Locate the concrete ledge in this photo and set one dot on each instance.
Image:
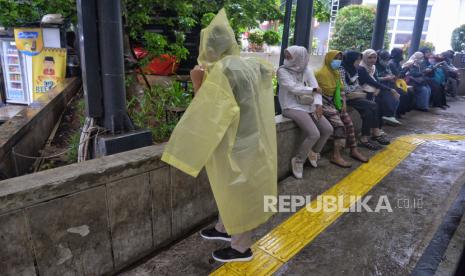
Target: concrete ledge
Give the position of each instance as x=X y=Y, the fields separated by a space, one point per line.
x=28 y=130
x=98 y=216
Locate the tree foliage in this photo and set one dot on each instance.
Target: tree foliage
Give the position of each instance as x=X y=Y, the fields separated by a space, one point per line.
x=177 y=15
x=15 y=13
x=458 y=39
x=321 y=10
x=354 y=29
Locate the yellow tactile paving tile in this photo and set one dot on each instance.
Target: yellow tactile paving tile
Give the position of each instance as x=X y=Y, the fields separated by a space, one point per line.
x=287 y=239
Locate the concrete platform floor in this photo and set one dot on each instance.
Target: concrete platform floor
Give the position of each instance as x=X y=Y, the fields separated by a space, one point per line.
x=360 y=243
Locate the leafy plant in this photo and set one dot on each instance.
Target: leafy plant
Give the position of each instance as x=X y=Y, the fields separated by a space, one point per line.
x=458 y=39
x=354 y=28
x=256 y=38
x=321 y=10
x=23 y=12
x=73 y=143
x=271 y=37
x=207 y=18
x=150 y=109
x=275 y=85
x=423 y=43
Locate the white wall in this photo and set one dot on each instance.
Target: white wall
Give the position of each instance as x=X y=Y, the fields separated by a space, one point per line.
x=446 y=15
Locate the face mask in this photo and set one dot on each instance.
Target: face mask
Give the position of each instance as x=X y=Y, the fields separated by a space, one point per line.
x=335 y=64
x=432 y=61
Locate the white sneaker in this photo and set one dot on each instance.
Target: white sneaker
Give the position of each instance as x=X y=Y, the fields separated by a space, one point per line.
x=313 y=158
x=297 y=168
x=392 y=120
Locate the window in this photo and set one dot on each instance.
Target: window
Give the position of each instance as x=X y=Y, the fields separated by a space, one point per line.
x=405 y=25
x=407 y=11
x=428 y=12
x=392 y=10
x=401 y=22
x=402 y=38
x=425 y=26
x=391 y=25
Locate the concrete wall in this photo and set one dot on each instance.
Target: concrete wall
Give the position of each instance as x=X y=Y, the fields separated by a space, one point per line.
x=97 y=216
x=28 y=131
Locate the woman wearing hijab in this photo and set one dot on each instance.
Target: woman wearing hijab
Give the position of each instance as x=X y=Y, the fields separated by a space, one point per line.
x=452 y=78
x=436 y=80
x=335 y=109
x=300 y=99
x=416 y=78
x=229 y=128
x=356 y=98
x=376 y=91
x=384 y=75
x=407 y=99
x=427 y=53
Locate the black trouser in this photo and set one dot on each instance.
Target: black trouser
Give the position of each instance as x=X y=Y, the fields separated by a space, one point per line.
x=407 y=102
x=438 y=95
x=369 y=112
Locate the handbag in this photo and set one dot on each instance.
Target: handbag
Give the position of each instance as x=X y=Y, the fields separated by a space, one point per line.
x=370 y=89
x=356 y=94
x=305 y=99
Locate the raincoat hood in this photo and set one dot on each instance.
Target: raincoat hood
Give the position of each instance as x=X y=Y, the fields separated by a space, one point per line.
x=327 y=77
x=299 y=60
x=217 y=40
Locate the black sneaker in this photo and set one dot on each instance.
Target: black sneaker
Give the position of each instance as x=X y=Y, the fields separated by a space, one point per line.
x=229 y=254
x=212 y=234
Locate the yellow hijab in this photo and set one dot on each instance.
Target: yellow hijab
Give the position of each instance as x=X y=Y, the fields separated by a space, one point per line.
x=327 y=76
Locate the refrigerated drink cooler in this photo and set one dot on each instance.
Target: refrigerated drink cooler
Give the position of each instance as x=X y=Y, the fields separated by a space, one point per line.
x=14 y=73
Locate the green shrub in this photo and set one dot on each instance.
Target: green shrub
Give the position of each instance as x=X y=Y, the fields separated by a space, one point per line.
x=271 y=38
x=423 y=43
x=458 y=39
x=354 y=29
x=256 y=38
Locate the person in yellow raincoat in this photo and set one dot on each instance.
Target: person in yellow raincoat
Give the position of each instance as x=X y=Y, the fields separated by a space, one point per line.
x=229 y=128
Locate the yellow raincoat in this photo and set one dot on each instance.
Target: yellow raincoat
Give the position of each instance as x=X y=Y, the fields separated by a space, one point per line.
x=327 y=76
x=229 y=128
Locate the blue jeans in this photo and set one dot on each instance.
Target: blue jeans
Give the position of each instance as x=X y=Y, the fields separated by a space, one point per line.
x=422 y=95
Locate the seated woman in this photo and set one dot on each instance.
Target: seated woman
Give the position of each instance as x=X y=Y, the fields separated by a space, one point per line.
x=386 y=77
x=452 y=76
x=416 y=77
x=386 y=97
x=297 y=104
x=356 y=98
x=436 y=80
x=335 y=110
x=407 y=99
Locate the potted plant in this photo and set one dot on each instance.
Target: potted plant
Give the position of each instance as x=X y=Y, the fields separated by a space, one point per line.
x=256 y=41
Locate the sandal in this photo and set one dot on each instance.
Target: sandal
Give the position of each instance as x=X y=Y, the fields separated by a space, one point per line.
x=383 y=140
x=359 y=159
x=369 y=145
x=343 y=164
